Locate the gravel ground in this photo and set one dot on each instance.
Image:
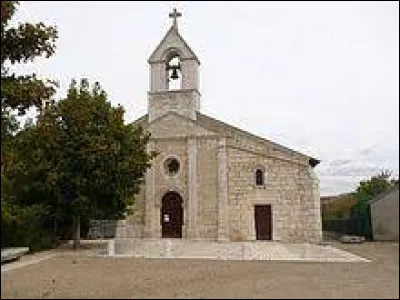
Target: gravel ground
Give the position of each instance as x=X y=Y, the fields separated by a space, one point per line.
x=71 y=275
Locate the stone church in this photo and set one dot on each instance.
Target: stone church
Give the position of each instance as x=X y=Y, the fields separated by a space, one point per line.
x=213 y=181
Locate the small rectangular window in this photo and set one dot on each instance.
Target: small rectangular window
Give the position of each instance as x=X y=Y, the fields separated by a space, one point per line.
x=259 y=177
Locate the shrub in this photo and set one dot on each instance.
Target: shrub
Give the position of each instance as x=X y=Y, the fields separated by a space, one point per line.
x=24 y=227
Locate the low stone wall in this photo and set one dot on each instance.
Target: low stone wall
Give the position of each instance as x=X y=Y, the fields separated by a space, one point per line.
x=129 y=229
x=102 y=229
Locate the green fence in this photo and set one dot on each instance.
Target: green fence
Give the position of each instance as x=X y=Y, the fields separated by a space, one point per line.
x=358 y=223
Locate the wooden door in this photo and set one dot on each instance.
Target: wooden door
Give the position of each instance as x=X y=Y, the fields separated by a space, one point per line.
x=171 y=216
x=263 y=222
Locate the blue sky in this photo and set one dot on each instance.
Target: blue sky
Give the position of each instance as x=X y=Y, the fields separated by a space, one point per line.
x=319 y=77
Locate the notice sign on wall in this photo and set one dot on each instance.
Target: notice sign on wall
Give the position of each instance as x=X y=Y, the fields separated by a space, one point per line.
x=166 y=218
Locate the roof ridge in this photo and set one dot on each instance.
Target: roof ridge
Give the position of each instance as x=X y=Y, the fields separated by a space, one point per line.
x=313 y=161
x=383 y=194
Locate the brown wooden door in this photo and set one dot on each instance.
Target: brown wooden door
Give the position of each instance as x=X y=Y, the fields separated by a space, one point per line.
x=263 y=220
x=171 y=215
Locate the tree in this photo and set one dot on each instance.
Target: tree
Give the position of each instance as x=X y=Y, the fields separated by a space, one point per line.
x=376 y=185
x=20 y=45
x=82 y=158
x=18 y=93
x=366 y=191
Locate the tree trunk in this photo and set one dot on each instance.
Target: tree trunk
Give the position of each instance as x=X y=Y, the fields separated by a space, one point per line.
x=76 y=223
x=55 y=228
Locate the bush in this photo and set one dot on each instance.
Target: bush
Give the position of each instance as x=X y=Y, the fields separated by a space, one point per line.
x=24 y=227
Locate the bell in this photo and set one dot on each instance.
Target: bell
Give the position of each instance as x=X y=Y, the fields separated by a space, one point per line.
x=174 y=74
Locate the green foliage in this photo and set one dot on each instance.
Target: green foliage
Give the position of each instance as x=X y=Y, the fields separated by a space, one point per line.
x=23 y=226
x=9 y=126
x=350 y=213
x=19 y=45
x=395 y=182
x=80 y=159
x=377 y=184
x=343 y=206
x=22 y=220
x=102 y=160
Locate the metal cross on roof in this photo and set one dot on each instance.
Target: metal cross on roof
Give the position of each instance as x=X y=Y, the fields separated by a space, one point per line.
x=174 y=15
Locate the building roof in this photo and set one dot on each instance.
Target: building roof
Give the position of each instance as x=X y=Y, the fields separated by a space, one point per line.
x=383 y=195
x=312 y=161
x=217 y=124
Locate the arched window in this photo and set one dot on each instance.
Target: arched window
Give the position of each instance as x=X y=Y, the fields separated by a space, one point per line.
x=174 y=73
x=259 y=177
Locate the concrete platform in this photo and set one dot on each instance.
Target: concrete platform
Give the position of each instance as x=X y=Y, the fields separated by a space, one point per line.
x=8 y=254
x=254 y=250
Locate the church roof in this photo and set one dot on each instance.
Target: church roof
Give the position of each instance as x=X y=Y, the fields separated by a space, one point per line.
x=217 y=125
x=312 y=161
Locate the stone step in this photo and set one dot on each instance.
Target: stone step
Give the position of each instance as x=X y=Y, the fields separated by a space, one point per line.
x=267 y=250
x=8 y=254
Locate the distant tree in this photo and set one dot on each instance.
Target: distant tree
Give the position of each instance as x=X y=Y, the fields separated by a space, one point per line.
x=82 y=158
x=338 y=206
x=366 y=191
x=376 y=185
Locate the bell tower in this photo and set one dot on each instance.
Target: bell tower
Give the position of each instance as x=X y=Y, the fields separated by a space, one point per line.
x=174 y=76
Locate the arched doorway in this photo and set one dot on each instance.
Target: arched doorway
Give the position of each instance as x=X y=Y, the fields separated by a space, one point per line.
x=171 y=215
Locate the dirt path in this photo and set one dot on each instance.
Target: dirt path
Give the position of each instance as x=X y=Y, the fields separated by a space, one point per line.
x=79 y=276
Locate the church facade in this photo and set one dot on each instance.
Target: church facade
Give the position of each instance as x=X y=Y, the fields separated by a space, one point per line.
x=212 y=181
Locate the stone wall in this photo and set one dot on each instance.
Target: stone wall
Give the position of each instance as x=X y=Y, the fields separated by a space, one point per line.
x=207 y=167
x=102 y=229
x=291 y=186
x=183 y=102
x=163 y=182
x=133 y=225
x=172 y=126
x=289 y=189
x=205 y=208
